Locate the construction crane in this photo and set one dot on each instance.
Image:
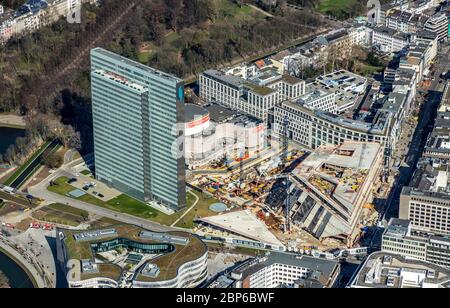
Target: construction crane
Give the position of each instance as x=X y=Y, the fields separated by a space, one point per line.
x=285 y=158
x=285 y=141
x=287 y=205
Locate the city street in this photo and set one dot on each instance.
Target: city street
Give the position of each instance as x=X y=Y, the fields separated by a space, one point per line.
x=40 y=191
x=427 y=115
x=408 y=165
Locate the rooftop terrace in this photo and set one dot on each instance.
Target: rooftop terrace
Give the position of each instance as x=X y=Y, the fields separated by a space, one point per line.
x=187 y=247
x=384 y=270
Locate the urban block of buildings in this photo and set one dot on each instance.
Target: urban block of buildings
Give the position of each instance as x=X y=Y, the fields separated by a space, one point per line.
x=386 y=270
x=282 y=270
x=35 y=14
x=413 y=16
x=255 y=95
x=425 y=202
x=214 y=133
x=423 y=228
x=438 y=144
x=401 y=238
x=127 y=256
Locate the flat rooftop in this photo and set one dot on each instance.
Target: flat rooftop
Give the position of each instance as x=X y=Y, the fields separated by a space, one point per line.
x=398 y=228
x=194 y=112
x=245 y=224
x=324 y=266
x=346 y=85
x=135 y=64
x=230 y=80
x=187 y=246
x=379 y=126
x=120 y=80
x=384 y=270
x=313 y=93
x=220 y=114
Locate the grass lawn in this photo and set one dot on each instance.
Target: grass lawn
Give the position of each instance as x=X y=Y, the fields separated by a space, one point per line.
x=61 y=214
x=85 y=172
x=145 y=56
x=368 y=70
x=68 y=209
x=128 y=205
x=131 y=206
x=18 y=199
x=200 y=210
x=227 y=8
x=103 y=223
x=122 y=203
x=336 y=7
x=19 y=171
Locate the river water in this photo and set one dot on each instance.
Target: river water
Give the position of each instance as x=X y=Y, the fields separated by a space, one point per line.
x=8 y=136
x=14 y=273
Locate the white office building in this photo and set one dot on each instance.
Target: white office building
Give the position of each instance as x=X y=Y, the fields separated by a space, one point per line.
x=255 y=96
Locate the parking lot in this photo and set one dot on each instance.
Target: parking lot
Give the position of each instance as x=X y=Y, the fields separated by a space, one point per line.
x=94 y=187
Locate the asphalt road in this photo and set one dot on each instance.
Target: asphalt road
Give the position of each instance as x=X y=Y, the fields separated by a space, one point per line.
x=40 y=191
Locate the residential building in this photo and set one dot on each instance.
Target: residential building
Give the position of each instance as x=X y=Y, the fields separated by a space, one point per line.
x=34 y=14
x=389 y=40
x=138 y=115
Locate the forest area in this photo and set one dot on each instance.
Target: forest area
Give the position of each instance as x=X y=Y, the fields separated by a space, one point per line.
x=45 y=75
x=12 y=4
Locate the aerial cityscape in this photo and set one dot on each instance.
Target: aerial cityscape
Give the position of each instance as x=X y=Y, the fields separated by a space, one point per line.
x=225 y=144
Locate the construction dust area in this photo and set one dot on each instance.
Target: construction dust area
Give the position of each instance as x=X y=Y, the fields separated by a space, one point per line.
x=248 y=187
x=308 y=200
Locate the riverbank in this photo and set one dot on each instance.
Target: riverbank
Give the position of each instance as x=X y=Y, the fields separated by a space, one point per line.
x=20 y=262
x=12 y=121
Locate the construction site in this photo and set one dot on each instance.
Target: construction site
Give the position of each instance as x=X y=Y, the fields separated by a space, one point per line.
x=320 y=200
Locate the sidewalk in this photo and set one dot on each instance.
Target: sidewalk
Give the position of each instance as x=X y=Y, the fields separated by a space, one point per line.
x=23 y=262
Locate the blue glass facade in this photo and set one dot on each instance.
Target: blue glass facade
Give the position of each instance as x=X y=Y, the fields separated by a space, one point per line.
x=136 y=111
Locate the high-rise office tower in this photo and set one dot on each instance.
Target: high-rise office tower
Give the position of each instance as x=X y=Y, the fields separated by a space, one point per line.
x=138 y=114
